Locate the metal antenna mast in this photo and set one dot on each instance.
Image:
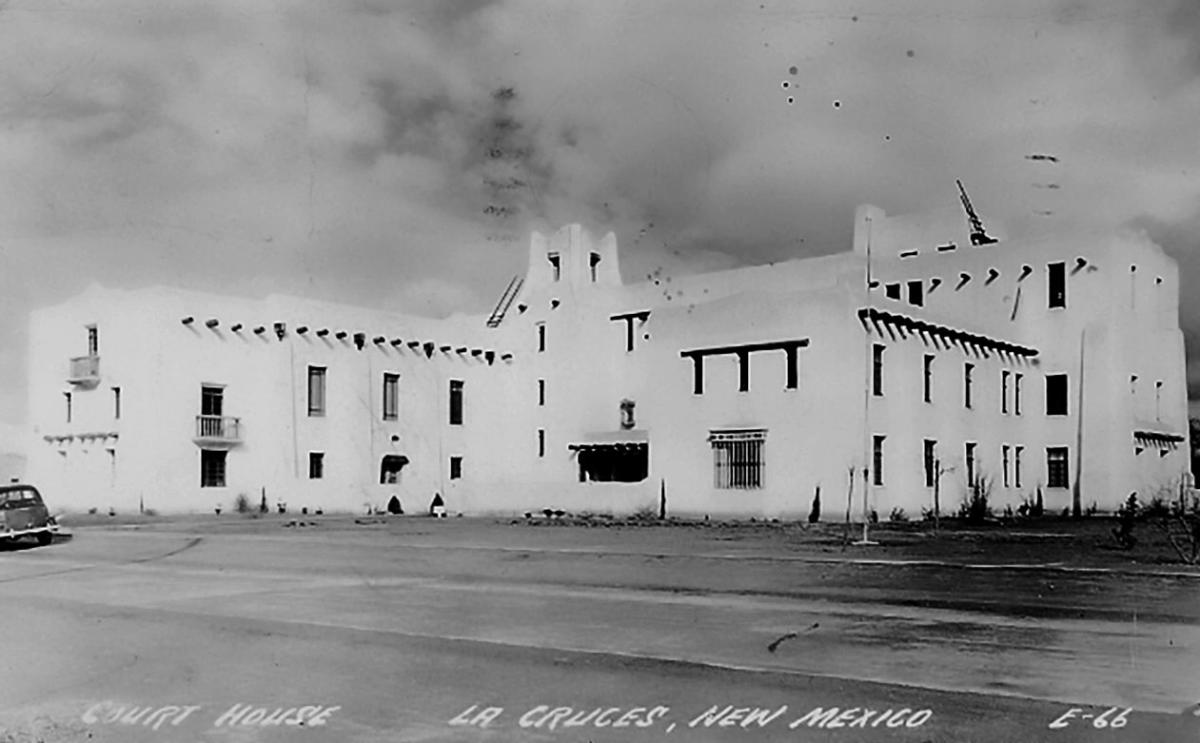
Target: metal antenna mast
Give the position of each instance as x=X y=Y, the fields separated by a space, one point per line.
x=978 y=235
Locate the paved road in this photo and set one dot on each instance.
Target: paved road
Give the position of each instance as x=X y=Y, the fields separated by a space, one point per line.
x=439 y=631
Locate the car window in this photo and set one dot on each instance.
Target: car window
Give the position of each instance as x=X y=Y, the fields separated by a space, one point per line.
x=22 y=498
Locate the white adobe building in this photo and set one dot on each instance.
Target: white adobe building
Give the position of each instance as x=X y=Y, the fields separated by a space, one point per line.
x=1054 y=364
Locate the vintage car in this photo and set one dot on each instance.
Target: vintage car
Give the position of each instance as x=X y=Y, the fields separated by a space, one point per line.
x=23 y=514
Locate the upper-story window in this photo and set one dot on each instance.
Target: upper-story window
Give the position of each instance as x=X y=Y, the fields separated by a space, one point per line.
x=555 y=265
x=1056 y=394
x=892 y=291
x=916 y=293
x=877 y=370
x=927 y=379
x=391 y=396
x=456 y=402
x=93 y=340
x=1018 y=379
x=212 y=399
x=1056 y=277
x=316 y=391
x=1005 y=374
x=593 y=261
x=968 y=383
x=541 y=337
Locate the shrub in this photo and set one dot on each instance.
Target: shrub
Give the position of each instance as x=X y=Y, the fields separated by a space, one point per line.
x=898 y=515
x=92 y=511
x=975 y=506
x=242 y=503
x=1156 y=508
x=150 y=512
x=814 y=515
x=1126 y=518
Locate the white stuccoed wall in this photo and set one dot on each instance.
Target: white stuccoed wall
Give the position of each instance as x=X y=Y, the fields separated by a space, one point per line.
x=1124 y=320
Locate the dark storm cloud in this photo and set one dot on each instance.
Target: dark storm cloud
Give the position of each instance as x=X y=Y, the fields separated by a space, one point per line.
x=369 y=152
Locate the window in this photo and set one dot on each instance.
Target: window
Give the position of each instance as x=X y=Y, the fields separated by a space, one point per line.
x=968 y=380
x=1017 y=379
x=212 y=400
x=793 y=370
x=1056 y=394
x=541 y=337
x=212 y=468
x=877 y=371
x=389 y=468
x=67 y=398
x=1056 y=274
x=1158 y=388
x=456 y=468
x=1056 y=467
x=593 y=261
x=927 y=384
x=316 y=465
x=316 y=391
x=892 y=291
x=391 y=396
x=916 y=293
x=116 y=403
x=969 y=461
x=93 y=341
x=743 y=358
x=541 y=442
x=1004 y=451
x=877 y=459
x=555 y=265
x=1133 y=379
x=931 y=463
x=1017 y=451
x=1004 y=375
x=456 y=402
x=738 y=459
x=541 y=392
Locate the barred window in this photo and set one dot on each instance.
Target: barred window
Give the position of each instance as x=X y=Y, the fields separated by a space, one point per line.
x=1056 y=467
x=738 y=458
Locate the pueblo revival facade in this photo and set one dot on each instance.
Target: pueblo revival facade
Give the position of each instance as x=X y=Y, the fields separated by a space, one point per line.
x=927 y=359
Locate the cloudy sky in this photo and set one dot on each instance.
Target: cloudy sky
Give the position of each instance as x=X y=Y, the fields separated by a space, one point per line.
x=397 y=154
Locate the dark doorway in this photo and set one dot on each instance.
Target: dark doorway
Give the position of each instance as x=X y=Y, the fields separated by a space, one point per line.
x=393 y=506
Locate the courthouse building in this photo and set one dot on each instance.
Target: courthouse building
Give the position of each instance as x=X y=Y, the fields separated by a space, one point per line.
x=926 y=357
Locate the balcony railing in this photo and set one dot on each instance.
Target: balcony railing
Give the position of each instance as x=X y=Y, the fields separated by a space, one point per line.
x=84 y=370
x=218 y=429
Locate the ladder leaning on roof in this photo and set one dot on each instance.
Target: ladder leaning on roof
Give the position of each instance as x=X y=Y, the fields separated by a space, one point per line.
x=506 y=300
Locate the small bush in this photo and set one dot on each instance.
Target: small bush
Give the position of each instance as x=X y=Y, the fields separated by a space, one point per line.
x=242 y=503
x=898 y=515
x=814 y=515
x=1156 y=508
x=92 y=511
x=150 y=512
x=975 y=508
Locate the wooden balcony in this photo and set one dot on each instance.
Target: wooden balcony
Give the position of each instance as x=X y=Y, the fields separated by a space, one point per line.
x=84 y=371
x=217 y=431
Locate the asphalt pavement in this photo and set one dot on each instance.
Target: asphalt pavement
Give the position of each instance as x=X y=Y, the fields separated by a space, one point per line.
x=440 y=630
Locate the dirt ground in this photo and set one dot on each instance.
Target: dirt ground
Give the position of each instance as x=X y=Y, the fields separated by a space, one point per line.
x=1088 y=542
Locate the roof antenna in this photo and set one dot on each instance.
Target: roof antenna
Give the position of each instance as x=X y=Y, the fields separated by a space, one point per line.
x=978 y=235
